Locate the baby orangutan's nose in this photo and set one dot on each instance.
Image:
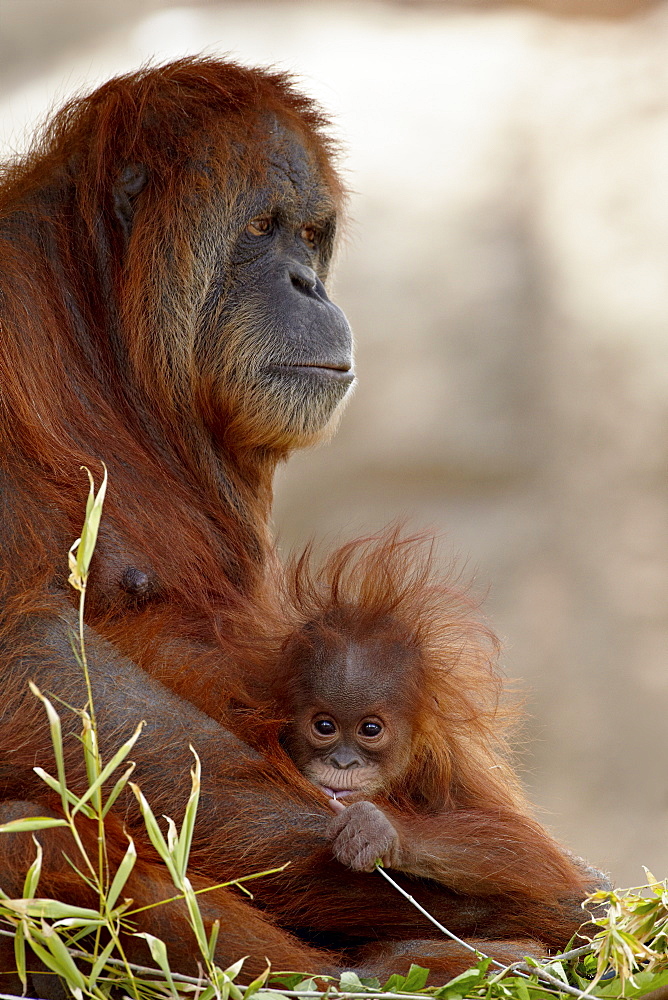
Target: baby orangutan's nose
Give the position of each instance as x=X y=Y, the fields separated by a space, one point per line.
x=344 y=759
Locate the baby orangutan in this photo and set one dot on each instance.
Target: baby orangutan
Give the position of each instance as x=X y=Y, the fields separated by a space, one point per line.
x=353 y=726
x=390 y=695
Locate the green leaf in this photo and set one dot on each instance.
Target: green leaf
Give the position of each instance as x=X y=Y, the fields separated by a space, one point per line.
x=467 y=981
x=213 y=940
x=93 y=762
x=44 y=955
x=350 y=982
x=51 y=909
x=118 y=788
x=394 y=984
x=416 y=979
x=208 y=994
x=20 y=955
x=56 y=740
x=109 y=768
x=188 y=824
x=233 y=970
x=31 y=823
x=306 y=986
x=75 y=580
x=224 y=983
x=53 y=783
x=288 y=980
x=173 y=841
x=158 y=951
x=257 y=984
x=64 y=961
x=645 y=981
x=91 y=525
x=371 y=983
x=196 y=921
x=98 y=967
x=556 y=969
x=91 y=754
x=122 y=874
x=155 y=833
x=32 y=875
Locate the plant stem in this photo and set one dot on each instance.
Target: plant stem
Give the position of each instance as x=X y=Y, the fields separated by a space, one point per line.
x=435 y=922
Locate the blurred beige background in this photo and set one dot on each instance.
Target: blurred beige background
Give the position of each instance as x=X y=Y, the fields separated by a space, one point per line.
x=506 y=272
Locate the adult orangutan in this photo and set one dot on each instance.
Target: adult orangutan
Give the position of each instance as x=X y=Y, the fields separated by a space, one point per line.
x=164 y=248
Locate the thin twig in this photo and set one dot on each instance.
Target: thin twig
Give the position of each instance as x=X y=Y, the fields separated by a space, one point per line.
x=333 y=991
x=522 y=968
x=554 y=981
x=568 y=956
x=444 y=930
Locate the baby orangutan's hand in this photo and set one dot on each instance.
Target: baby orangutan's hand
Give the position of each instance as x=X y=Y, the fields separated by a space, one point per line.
x=361 y=833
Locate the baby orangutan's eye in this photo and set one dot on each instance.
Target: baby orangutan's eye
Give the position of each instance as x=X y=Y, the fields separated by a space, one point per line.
x=324 y=727
x=370 y=730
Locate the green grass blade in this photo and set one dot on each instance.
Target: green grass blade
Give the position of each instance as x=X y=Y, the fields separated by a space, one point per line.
x=44 y=955
x=122 y=875
x=53 y=783
x=51 y=909
x=91 y=525
x=32 y=875
x=225 y=987
x=31 y=823
x=20 y=955
x=109 y=768
x=233 y=970
x=196 y=921
x=117 y=789
x=213 y=940
x=209 y=993
x=158 y=951
x=99 y=964
x=155 y=833
x=64 y=963
x=257 y=984
x=56 y=740
x=190 y=815
x=74 y=579
x=173 y=841
x=92 y=760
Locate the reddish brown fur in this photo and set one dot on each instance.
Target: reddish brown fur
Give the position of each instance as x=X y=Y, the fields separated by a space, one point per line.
x=99 y=332
x=460 y=797
x=385 y=587
x=168 y=505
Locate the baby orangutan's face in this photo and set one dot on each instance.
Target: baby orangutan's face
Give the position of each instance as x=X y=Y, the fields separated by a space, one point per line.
x=345 y=755
x=349 y=735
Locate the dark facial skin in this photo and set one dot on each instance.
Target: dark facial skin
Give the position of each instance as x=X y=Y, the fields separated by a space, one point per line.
x=350 y=749
x=348 y=735
x=269 y=346
x=290 y=347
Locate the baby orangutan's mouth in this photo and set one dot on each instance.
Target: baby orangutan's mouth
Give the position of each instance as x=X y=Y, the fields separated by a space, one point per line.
x=337 y=793
x=338 y=783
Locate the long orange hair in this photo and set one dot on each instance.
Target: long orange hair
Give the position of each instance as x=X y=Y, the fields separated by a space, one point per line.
x=387 y=586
